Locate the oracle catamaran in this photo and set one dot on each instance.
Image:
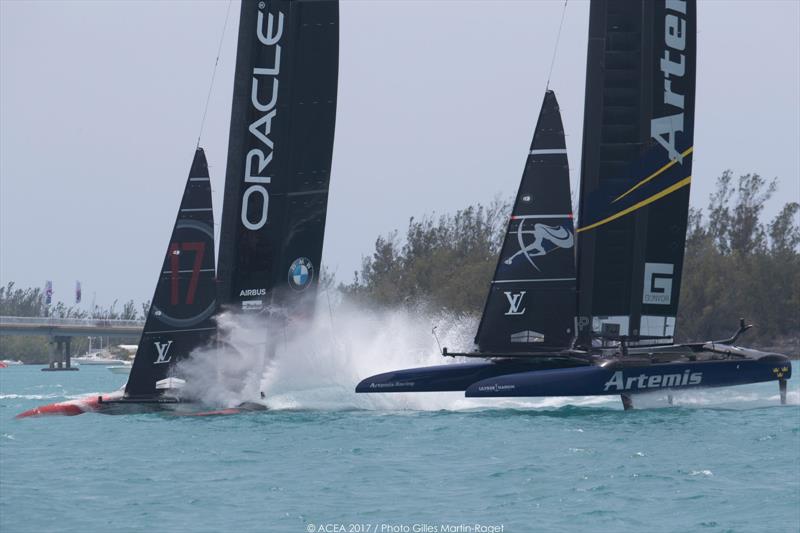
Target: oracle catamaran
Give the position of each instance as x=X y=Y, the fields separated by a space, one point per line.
x=602 y=322
x=275 y=203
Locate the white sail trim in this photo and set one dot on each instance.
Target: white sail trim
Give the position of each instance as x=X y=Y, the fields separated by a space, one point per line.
x=528 y=280
x=527 y=337
x=170 y=383
x=657 y=326
x=528 y=217
x=549 y=151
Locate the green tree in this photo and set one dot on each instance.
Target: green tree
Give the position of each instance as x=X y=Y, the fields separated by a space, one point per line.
x=445 y=262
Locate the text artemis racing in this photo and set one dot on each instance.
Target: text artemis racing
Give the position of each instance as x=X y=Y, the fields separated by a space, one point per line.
x=642 y=381
x=664 y=129
x=255 y=180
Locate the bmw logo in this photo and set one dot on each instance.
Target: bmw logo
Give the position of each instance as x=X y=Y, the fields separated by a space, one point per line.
x=301 y=273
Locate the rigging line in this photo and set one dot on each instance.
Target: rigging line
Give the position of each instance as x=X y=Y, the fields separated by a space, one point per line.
x=330 y=314
x=214 y=72
x=555 y=48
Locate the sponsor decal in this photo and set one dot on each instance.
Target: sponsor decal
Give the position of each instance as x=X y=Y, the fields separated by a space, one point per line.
x=252 y=305
x=392 y=385
x=780 y=371
x=619 y=382
x=255 y=197
x=545 y=240
x=163 y=352
x=301 y=273
x=657 y=283
x=494 y=387
x=253 y=292
x=673 y=65
x=514 y=303
x=527 y=337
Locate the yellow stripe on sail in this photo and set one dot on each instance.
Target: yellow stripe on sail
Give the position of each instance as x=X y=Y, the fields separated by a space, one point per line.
x=672 y=188
x=653 y=175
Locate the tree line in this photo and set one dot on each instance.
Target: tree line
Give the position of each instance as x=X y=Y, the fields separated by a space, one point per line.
x=735 y=264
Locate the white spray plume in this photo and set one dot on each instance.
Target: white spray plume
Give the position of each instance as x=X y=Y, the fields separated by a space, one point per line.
x=316 y=363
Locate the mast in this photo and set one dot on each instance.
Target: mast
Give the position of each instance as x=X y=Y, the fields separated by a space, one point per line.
x=531 y=302
x=280 y=150
x=636 y=167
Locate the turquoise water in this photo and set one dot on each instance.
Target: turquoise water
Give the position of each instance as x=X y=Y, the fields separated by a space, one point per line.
x=724 y=460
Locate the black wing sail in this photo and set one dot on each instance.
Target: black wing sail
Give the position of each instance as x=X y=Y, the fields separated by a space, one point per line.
x=185 y=300
x=636 y=168
x=280 y=150
x=531 y=303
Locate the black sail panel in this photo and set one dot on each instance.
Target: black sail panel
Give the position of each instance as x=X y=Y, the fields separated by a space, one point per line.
x=181 y=313
x=636 y=167
x=280 y=151
x=531 y=303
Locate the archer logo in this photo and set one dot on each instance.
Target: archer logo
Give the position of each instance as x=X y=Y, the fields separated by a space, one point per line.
x=657 y=283
x=545 y=240
x=514 y=302
x=163 y=352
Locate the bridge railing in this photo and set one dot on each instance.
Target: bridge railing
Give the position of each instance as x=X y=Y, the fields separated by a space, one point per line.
x=90 y=322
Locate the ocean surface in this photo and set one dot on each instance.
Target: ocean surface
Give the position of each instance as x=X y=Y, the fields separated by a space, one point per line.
x=721 y=460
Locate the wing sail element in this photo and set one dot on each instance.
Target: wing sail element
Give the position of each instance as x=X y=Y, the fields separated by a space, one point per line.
x=280 y=151
x=181 y=313
x=531 y=302
x=636 y=167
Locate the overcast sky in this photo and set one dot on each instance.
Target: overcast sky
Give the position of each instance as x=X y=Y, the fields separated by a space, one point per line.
x=101 y=103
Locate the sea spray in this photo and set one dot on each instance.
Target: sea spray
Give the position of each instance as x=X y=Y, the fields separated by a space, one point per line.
x=229 y=371
x=315 y=363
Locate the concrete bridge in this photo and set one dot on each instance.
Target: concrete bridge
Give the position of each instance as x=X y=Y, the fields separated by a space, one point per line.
x=70 y=327
x=61 y=331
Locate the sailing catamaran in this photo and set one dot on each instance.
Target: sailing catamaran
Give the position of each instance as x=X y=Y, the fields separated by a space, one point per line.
x=606 y=328
x=275 y=204
x=180 y=318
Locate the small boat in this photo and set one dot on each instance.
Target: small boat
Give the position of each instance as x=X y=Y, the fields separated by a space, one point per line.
x=124 y=368
x=100 y=359
x=11 y=362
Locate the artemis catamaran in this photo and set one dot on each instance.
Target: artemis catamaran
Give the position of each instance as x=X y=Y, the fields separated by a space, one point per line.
x=274 y=209
x=604 y=324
